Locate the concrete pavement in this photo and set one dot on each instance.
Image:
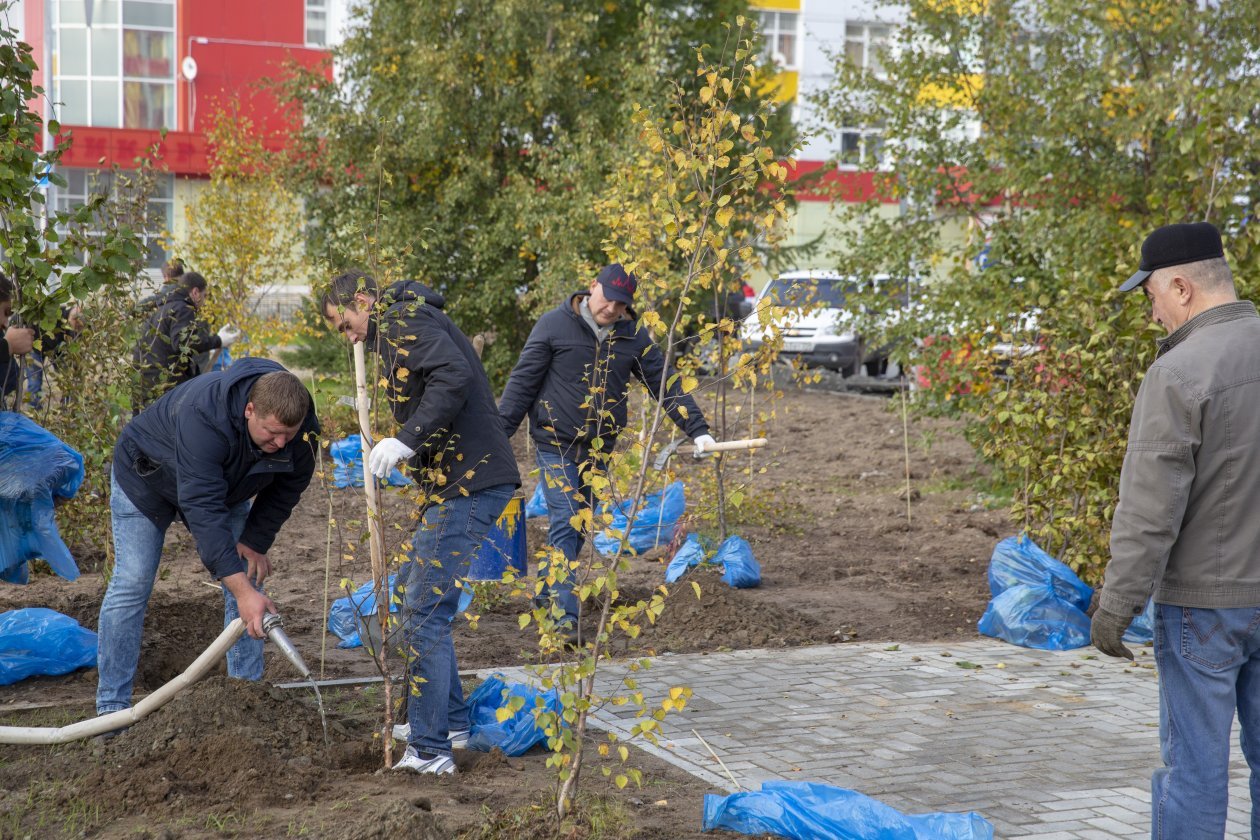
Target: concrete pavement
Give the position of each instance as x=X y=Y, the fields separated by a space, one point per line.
x=1045 y=745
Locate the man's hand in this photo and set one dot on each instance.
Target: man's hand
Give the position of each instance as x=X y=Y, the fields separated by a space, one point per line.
x=386 y=455
x=259 y=567
x=702 y=443
x=251 y=603
x=21 y=340
x=1106 y=631
x=228 y=335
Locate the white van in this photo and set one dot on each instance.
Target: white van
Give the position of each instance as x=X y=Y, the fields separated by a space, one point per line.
x=818 y=334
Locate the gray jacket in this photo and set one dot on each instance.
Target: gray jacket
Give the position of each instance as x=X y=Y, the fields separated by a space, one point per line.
x=1186 y=527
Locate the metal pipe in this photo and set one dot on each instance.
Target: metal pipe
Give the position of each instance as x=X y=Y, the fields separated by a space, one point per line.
x=126 y=717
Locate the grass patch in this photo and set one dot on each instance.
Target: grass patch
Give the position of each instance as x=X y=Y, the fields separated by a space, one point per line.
x=594 y=818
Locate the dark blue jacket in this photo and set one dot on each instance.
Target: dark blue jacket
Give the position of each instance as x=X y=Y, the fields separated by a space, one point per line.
x=439 y=395
x=565 y=381
x=171 y=338
x=190 y=455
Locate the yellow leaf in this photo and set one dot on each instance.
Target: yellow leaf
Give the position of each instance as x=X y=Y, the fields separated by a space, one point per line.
x=724 y=215
x=706 y=93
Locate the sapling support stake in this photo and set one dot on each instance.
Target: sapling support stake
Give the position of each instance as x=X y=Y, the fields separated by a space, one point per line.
x=380 y=576
x=905 y=442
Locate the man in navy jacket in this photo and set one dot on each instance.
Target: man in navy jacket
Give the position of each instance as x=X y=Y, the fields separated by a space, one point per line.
x=449 y=431
x=572 y=380
x=201 y=453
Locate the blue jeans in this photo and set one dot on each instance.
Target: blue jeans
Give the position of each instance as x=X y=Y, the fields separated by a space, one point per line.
x=442 y=548
x=137 y=552
x=1209 y=665
x=566 y=494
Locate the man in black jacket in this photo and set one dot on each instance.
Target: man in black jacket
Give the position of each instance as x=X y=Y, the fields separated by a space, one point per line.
x=173 y=336
x=449 y=429
x=14 y=341
x=572 y=380
x=201 y=453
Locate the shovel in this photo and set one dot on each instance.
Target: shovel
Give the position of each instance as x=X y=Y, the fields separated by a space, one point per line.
x=685 y=447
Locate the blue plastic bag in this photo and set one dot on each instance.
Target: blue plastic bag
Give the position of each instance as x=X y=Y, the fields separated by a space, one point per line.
x=653 y=526
x=38 y=641
x=343 y=615
x=537 y=504
x=810 y=811
x=739 y=568
x=1035 y=617
x=347 y=455
x=520 y=732
x=1019 y=560
x=1142 y=630
x=35 y=468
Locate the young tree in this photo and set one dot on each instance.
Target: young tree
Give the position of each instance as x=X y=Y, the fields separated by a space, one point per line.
x=1032 y=145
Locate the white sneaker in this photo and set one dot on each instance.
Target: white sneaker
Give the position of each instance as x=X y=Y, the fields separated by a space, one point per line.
x=459 y=737
x=438 y=765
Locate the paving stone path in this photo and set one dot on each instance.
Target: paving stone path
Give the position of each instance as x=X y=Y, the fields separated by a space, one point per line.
x=1045 y=745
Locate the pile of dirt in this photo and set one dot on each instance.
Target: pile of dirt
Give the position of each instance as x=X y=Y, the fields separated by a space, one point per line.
x=413 y=819
x=222 y=742
x=726 y=617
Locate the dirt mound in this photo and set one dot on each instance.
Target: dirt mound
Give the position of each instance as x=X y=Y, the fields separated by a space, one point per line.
x=221 y=742
x=175 y=633
x=412 y=819
x=726 y=617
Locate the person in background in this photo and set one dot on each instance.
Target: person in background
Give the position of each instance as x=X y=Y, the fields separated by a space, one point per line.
x=14 y=341
x=572 y=381
x=173 y=336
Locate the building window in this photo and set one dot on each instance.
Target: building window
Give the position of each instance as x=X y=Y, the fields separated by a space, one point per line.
x=116 y=69
x=861 y=147
x=81 y=184
x=778 y=32
x=864 y=44
x=317 y=23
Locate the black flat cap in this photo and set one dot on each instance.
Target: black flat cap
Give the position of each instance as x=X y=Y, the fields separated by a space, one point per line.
x=1175 y=245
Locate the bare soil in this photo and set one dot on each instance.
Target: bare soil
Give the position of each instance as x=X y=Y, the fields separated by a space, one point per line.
x=827 y=521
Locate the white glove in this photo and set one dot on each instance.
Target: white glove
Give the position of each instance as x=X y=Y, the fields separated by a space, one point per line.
x=229 y=335
x=703 y=442
x=386 y=455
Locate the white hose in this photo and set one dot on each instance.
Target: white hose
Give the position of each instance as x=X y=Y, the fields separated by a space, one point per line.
x=126 y=717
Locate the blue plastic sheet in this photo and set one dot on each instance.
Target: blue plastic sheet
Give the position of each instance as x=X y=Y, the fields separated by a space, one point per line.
x=347 y=455
x=653 y=526
x=537 y=504
x=520 y=732
x=813 y=811
x=38 y=641
x=1040 y=603
x=739 y=568
x=35 y=469
x=343 y=615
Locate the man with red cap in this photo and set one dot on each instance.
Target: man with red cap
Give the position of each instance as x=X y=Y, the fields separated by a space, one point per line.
x=572 y=381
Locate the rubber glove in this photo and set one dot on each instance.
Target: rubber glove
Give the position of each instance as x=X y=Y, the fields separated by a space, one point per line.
x=386 y=455
x=703 y=442
x=229 y=335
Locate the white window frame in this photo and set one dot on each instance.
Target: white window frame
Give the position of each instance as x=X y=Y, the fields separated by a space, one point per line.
x=161 y=204
x=773 y=25
x=319 y=8
x=867 y=141
x=117 y=77
x=868 y=43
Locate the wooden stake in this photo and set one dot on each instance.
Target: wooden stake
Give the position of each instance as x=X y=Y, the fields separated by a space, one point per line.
x=376 y=544
x=905 y=442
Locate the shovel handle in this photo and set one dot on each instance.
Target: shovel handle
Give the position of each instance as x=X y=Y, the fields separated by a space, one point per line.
x=734 y=445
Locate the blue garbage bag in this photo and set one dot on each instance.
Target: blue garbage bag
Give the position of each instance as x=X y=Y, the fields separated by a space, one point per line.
x=739 y=568
x=810 y=810
x=1142 y=630
x=347 y=455
x=520 y=732
x=1035 y=616
x=38 y=641
x=343 y=615
x=222 y=360
x=1019 y=560
x=35 y=468
x=537 y=504
x=653 y=526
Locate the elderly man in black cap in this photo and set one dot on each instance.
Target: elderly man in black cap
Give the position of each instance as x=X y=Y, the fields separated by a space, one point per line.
x=1186 y=533
x=572 y=380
